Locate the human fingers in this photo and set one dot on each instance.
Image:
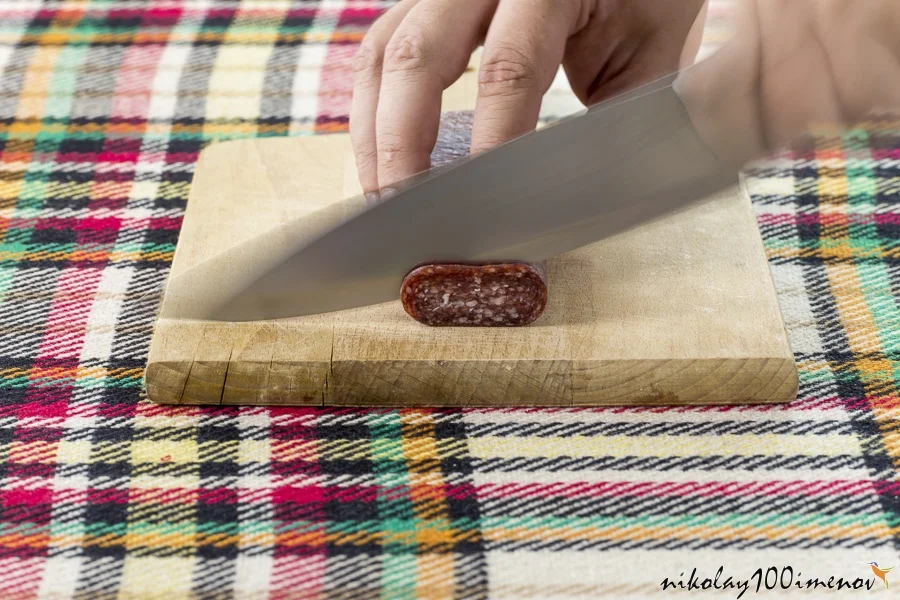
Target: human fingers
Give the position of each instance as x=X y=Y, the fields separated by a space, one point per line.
x=862 y=42
x=792 y=67
x=722 y=92
x=694 y=41
x=522 y=53
x=427 y=53
x=797 y=87
x=366 y=85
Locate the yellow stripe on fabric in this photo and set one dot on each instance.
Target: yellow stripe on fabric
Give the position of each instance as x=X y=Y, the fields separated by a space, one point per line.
x=73 y=452
x=842 y=251
x=184 y=534
x=36 y=452
x=833 y=188
x=164 y=451
x=853 y=312
x=238 y=77
x=291 y=450
x=157 y=577
x=36 y=84
x=669 y=446
x=429 y=503
x=545 y=535
x=436 y=576
x=57 y=40
x=236 y=85
x=31 y=104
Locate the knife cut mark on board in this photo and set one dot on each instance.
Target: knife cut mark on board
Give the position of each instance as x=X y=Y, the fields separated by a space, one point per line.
x=225 y=376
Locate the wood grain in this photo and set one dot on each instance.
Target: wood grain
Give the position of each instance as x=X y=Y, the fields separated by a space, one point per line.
x=681 y=311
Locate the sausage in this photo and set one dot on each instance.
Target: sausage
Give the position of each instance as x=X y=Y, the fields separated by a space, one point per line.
x=503 y=294
x=491 y=295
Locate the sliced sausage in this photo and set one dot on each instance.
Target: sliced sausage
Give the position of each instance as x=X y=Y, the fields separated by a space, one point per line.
x=494 y=295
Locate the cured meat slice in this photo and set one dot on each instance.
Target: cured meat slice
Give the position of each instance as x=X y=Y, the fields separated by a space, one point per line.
x=492 y=295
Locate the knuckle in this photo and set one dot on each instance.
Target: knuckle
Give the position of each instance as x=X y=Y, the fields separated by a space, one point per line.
x=407 y=51
x=366 y=161
x=488 y=141
x=394 y=148
x=390 y=146
x=367 y=59
x=506 y=70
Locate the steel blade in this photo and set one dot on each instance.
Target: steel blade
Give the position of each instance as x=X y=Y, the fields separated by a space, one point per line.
x=613 y=167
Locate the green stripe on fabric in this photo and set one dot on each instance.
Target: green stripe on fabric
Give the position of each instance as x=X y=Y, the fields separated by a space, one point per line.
x=395 y=510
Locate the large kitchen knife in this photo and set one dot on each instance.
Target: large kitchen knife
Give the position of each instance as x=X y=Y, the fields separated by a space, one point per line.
x=610 y=168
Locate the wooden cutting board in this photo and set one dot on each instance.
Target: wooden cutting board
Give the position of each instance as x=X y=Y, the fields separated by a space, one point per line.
x=681 y=311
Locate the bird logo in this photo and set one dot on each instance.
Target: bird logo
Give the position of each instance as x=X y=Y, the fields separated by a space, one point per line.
x=880 y=572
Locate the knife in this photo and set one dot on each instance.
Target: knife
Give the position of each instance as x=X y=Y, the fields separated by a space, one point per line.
x=612 y=167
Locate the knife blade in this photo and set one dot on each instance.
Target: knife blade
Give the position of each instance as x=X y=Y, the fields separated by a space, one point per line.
x=610 y=168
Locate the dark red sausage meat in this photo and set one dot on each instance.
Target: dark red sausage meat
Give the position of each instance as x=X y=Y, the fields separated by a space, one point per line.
x=487 y=295
x=495 y=295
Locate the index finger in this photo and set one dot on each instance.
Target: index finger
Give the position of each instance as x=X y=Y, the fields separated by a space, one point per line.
x=427 y=53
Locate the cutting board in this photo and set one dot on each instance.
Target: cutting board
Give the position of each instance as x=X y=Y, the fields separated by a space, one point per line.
x=680 y=311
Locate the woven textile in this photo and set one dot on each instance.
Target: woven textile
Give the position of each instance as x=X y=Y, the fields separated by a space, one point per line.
x=104 y=106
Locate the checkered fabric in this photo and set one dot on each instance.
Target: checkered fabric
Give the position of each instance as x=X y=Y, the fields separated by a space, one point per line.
x=104 y=106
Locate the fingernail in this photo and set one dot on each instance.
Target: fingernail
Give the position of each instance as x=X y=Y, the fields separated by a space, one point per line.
x=388 y=192
x=372 y=197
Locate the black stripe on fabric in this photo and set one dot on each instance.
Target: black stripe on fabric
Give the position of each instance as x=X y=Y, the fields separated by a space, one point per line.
x=561 y=429
x=749 y=462
x=586 y=505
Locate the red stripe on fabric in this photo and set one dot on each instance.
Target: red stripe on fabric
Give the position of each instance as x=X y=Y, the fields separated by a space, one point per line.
x=301 y=494
x=351 y=493
x=86 y=223
x=887 y=219
x=109 y=411
x=299 y=556
x=336 y=78
x=888 y=154
x=172 y=158
x=135 y=84
x=65 y=326
x=168 y=223
x=217 y=495
x=108 y=496
x=109 y=158
x=97 y=224
x=166 y=14
x=301 y=13
x=30 y=497
x=50 y=410
x=824 y=220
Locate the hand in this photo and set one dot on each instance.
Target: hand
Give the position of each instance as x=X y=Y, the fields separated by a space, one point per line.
x=420 y=47
x=791 y=66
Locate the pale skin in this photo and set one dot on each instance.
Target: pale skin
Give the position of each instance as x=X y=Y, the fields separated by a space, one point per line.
x=791 y=65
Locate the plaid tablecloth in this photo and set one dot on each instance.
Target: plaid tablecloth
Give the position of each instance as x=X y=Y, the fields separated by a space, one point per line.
x=104 y=106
